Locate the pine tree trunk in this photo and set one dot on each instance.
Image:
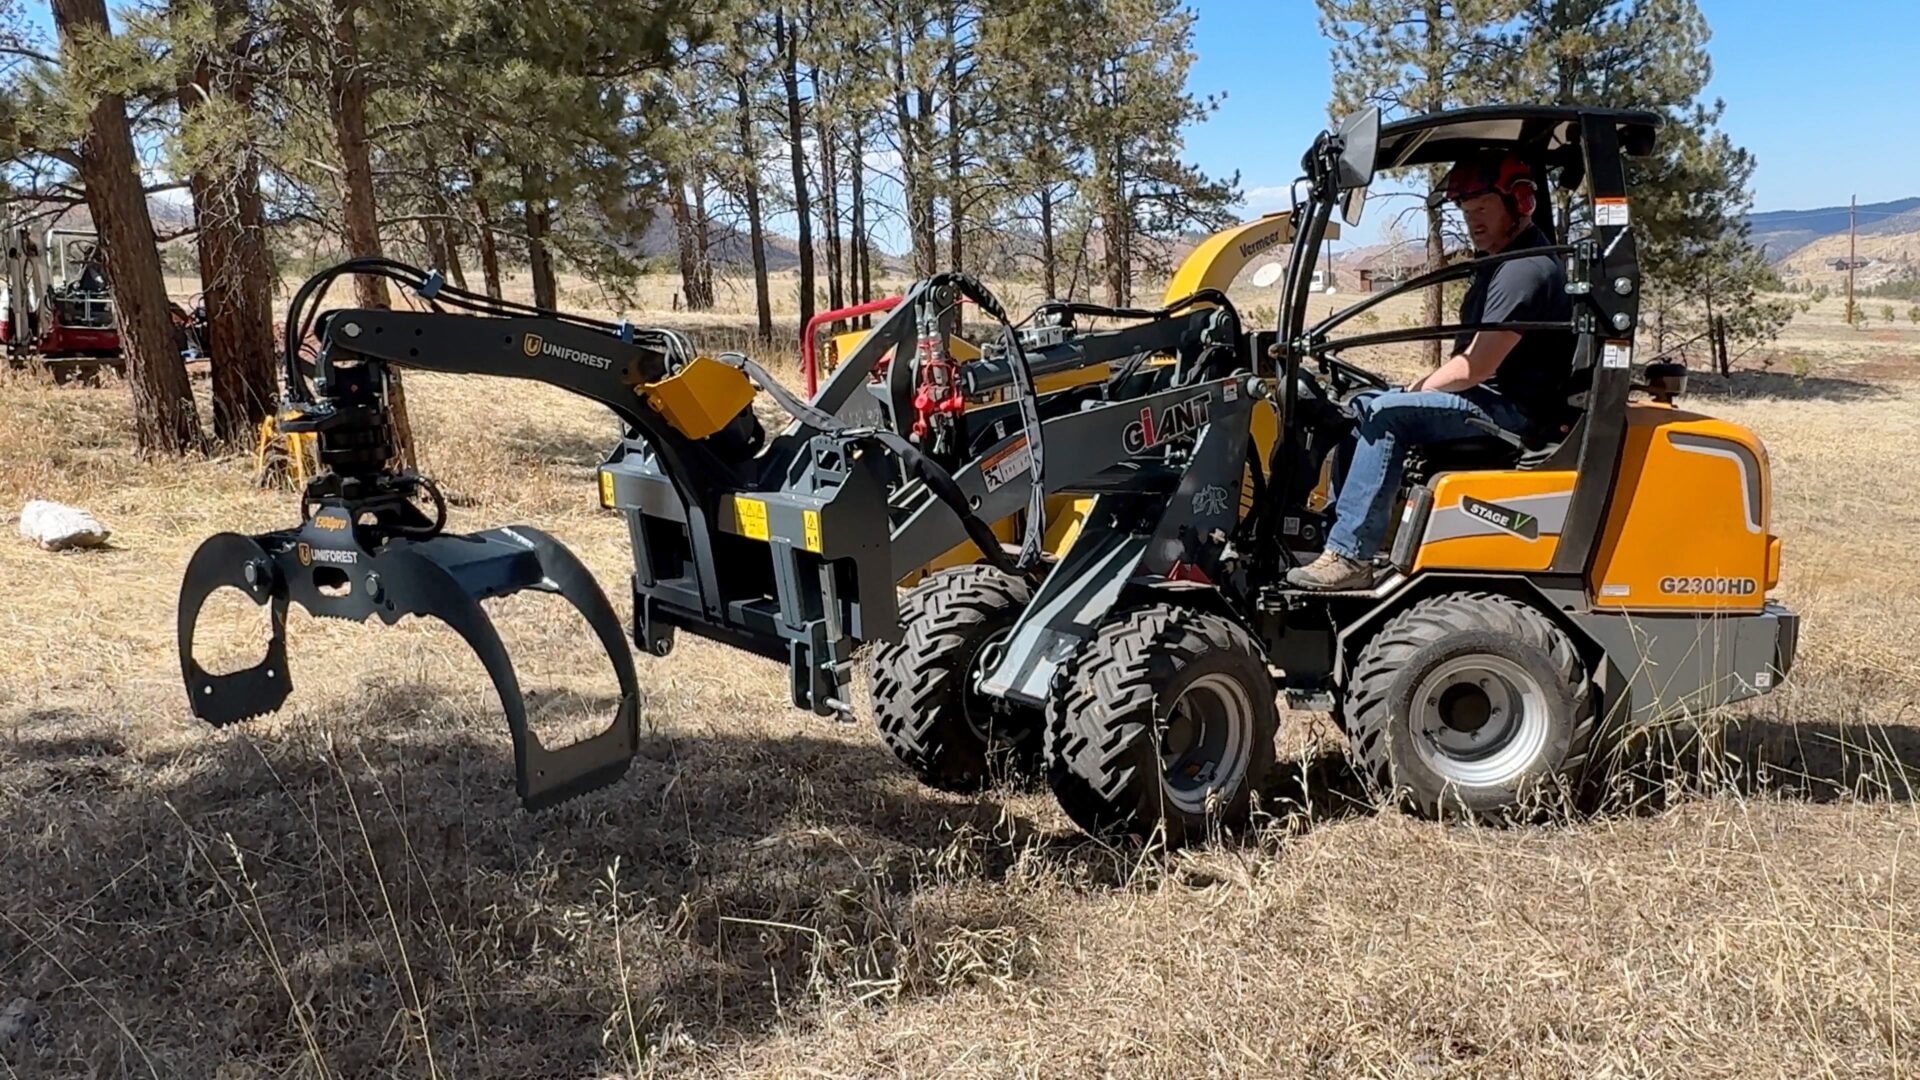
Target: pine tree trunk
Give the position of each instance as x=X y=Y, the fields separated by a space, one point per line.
x=914 y=154
x=347 y=98
x=165 y=421
x=1049 y=257
x=829 y=198
x=483 y=219
x=683 y=238
x=1435 y=298
x=956 y=206
x=702 y=240
x=749 y=179
x=450 y=235
x=860 y=273
x=538 y=215
x=1117 y=223
x=785 y=34
x=489 y=246
x=236 y=274
x=433 y=239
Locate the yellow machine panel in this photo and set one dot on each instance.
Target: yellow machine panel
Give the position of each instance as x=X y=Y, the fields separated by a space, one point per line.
x=1220 y=257
x=700 y=398
x=1687 y=528
x=1504 y=520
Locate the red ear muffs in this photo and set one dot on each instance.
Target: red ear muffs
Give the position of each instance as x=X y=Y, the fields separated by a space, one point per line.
x=1524 y=198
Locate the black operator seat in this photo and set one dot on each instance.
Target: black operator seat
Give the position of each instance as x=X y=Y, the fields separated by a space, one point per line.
x=1501 y=449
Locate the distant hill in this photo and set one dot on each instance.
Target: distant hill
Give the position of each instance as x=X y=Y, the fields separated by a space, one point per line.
x=1781 y=233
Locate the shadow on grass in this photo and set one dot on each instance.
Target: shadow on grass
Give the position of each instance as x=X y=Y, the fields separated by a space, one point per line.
x=298 y=892
x=1761 y=757
x=320 y=894
x=565 y=447
x=1781 y=384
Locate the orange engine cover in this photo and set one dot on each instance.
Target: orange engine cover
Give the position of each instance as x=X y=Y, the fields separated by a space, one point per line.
x=1687 y=527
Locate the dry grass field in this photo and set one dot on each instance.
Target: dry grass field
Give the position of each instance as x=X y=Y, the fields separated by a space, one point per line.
x=348 y=888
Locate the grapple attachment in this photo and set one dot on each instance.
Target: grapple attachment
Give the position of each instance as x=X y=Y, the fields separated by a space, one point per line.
x=324 y=567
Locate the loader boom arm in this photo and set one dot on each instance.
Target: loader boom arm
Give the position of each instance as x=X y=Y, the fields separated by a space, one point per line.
x=594 y=365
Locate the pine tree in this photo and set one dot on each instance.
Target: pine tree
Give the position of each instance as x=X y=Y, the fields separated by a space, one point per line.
x=216 y=146
x=1135 y=107
x=1419 y=56
x=1692 y=198
x=786 y=47
x=165 y=420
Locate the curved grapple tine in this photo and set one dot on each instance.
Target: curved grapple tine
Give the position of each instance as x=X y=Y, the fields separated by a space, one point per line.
x=229 y=559
x=321 y=567
x=430 y=582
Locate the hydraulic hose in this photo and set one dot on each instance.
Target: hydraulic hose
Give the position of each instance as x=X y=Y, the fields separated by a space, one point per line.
x=937 y=478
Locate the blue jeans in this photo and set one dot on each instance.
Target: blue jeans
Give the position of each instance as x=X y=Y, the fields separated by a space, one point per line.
x=1367 y=472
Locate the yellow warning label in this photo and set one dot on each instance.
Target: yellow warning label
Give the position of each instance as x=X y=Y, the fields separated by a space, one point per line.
x=810 y=521
x=606 y=490
x=752 y=515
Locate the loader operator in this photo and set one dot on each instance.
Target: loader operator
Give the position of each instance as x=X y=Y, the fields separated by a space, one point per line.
x=1512 y=379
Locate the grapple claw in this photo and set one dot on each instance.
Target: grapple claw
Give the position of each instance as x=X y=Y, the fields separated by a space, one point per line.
x=229 y=559
x=322 y=567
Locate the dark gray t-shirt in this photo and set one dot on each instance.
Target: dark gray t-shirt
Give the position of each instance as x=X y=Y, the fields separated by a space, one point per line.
x=1530 y=289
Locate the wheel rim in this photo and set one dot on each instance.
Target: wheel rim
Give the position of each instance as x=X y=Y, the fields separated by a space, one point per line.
x=1205 y=741
x=1479 y=720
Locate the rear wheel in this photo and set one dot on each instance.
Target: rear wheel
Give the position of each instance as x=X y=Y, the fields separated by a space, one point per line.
x=1165 y=720
x=1472 y=705
x=926 y=701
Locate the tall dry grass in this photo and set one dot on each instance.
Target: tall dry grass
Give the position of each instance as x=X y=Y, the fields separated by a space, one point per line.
x=348 y=889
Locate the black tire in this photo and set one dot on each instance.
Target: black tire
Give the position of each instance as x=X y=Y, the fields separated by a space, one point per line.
x=1132 y=695
x=1472 y=661
x=922 y=686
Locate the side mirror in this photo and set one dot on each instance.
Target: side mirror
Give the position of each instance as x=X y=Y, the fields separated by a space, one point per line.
x=1356 y=202
x=1359 y=145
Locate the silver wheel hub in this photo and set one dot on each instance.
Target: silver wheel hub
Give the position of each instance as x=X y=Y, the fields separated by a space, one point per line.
x=1205 y=742
x=1479 y=720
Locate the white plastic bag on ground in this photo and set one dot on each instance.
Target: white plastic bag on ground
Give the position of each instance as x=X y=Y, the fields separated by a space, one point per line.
x=57 y=527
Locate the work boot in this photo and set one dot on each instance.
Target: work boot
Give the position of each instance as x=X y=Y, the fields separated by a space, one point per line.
x=1330 y=571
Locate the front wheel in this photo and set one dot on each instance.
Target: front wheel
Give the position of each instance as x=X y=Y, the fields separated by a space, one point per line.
x=926 y=703
x=1472 y=705
x=1165 y=720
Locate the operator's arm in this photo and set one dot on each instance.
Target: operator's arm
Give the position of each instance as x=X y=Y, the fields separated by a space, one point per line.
x=1516 y=294
x=1474 y=366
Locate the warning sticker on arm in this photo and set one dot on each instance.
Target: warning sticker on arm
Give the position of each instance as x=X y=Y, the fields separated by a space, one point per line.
x=1611 y=212
x=1007 y=464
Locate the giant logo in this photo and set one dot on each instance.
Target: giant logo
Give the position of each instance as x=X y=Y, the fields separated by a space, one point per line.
x=1179 y=418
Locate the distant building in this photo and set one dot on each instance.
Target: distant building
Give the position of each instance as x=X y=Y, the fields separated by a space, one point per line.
x=1381 y=278
x=1856 y=263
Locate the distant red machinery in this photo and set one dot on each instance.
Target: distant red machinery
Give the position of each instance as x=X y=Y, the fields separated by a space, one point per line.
x=56 y=301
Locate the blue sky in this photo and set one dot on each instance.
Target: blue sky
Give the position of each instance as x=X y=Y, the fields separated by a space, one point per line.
x=1824 y=94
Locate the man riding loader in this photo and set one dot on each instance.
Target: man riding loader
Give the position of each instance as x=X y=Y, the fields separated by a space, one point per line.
x=1541 y=591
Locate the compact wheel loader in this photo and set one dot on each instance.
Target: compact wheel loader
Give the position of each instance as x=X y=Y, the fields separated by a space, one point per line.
x=1107 y=517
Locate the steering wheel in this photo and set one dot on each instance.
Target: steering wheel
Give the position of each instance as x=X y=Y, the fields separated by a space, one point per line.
x=1347 y=378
